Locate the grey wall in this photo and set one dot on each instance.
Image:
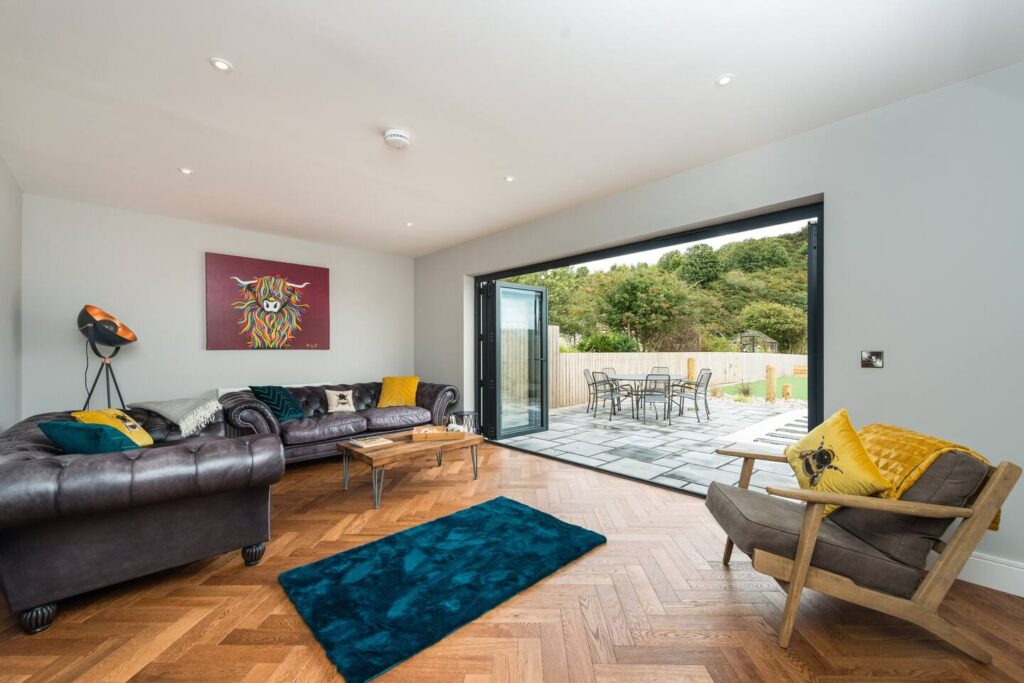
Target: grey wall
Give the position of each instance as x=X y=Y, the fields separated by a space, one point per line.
x=10 y=298
x=923 y=254
x=150 y=272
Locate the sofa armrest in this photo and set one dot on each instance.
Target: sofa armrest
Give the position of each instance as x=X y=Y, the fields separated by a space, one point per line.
x=436 y=398
x=247 y=414
x=52 y=487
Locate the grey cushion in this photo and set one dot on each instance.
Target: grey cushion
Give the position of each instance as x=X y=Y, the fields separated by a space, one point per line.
x=395 y=418
x=321 y=428
x=756 y=520
x=951 y=480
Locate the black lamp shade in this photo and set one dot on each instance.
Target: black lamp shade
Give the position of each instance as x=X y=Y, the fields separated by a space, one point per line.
x=101 y=328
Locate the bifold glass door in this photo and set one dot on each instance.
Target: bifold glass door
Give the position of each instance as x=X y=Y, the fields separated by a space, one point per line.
x=514 y=376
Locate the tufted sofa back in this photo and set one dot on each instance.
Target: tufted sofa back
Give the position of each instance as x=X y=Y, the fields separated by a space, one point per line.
x=313 y=399
x=25 y=441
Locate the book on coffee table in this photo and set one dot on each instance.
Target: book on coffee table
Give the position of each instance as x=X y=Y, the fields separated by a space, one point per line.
x=370 y=442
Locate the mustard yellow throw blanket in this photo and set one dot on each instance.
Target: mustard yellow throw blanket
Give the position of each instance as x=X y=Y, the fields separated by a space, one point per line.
x=902 y=456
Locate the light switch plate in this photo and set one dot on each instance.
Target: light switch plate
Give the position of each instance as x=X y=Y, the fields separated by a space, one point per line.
x=872 y=359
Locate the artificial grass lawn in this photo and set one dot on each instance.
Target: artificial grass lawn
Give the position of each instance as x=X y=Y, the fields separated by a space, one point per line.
x=757 y=388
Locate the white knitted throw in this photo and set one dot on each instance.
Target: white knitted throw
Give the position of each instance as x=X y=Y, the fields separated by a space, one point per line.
x=190 y=414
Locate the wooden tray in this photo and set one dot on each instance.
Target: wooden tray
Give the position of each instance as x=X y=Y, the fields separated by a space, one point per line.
x=436 y=434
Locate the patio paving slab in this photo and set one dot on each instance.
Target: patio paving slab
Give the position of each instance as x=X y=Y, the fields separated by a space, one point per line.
x=584 y=448
x=681 y=455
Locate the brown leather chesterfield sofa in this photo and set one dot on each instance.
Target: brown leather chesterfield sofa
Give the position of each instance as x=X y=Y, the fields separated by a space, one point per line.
x=317 y=434
x=75 y=523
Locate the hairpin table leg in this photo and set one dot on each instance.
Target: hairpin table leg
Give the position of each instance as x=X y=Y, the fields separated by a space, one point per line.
x=377 y=474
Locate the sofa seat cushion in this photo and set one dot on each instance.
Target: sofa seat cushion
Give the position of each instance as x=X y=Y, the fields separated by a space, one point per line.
x=379 y=419
x=758 y=521
x=322 y=428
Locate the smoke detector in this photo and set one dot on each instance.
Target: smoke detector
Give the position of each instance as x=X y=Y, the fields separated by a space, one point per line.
x=396 y=139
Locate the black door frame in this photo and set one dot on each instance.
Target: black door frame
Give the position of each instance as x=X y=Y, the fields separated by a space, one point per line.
x=490 y=422
x=815 y=287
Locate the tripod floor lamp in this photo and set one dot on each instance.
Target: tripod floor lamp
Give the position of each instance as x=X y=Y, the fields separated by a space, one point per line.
x=103 y=329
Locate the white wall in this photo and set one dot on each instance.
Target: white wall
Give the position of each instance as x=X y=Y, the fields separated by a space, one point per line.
x=924 y=259
x=10 y=298
x=149 y=271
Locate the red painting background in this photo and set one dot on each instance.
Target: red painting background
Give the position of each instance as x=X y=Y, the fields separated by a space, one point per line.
x=222 y=328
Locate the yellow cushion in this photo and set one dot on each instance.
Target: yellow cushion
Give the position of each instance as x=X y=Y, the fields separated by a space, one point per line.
x=831 y=458
x=902 y=456
x=119 y=421
x=398 y=391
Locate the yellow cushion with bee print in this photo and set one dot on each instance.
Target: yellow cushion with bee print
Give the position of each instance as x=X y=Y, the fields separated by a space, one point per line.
x=119 y=421
x=831 y=458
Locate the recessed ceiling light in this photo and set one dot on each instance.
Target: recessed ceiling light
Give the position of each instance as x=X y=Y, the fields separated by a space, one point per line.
x=408 y=224
x=510 y=179
x=221 y=64
x=724 y=79
x=185 y=170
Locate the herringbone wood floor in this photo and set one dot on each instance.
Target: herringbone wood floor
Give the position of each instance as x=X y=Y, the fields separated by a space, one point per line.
x=654 y=604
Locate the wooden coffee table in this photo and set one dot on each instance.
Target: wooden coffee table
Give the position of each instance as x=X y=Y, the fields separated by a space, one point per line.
x=402 y=450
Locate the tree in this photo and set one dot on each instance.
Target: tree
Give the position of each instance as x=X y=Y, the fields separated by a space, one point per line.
x=642 y=301
x=608 y=342
x=671 y=261
x=701 y=265
x=785 y=324
x=755 y=254
x=572 y=302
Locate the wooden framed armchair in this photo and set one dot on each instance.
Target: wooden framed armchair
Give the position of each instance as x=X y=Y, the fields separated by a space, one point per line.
x=872 y=551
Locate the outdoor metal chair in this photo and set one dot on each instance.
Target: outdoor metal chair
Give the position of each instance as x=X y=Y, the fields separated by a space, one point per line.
x=609 y=371
x=591 y=390
x=657 y=391
x=611 y=391
x=661 y=370
x=871 y=551
x=694 y=391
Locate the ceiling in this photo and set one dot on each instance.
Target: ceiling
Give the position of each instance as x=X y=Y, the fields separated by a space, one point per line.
x=103 y=101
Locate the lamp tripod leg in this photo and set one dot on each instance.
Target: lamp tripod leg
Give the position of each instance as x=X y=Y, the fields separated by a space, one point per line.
x=106 y=367
x=92 y=388
x=117 y=387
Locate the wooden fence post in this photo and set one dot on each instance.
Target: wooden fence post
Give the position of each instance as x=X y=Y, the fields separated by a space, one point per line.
x=769 y=384
x=556 y=392
x=787 y=391
x=691 y=368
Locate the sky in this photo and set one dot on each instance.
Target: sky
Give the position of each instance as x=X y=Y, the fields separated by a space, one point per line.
x=653 y=255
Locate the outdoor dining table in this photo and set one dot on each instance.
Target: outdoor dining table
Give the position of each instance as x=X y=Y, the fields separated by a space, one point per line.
x=641 y=377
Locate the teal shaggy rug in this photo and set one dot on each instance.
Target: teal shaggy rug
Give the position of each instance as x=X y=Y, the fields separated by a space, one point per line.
x=377 y=605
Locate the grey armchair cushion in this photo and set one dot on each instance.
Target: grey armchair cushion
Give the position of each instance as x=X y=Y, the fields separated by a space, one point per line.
x=759 y=521
x=330 y=426
x=952 y=479
x=378 y=419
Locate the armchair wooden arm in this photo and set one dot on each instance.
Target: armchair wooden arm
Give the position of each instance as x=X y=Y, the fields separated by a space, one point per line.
x=750 y=455
x=870 y=503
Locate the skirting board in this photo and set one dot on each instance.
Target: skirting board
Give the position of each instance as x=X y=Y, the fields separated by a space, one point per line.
x=995 y=572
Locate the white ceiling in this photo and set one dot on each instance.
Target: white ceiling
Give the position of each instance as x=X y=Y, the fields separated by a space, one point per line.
x=102 y=101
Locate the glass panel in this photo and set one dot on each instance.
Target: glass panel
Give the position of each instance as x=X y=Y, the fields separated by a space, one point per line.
x=522 y=388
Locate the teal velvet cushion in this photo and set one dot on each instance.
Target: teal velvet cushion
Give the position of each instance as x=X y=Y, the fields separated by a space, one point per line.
x=80 y=437
x=280 y=401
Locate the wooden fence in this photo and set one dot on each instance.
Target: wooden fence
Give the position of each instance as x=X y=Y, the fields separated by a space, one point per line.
x=567 y=386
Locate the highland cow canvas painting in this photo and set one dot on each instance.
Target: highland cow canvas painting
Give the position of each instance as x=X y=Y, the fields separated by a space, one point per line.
x=264 y=305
